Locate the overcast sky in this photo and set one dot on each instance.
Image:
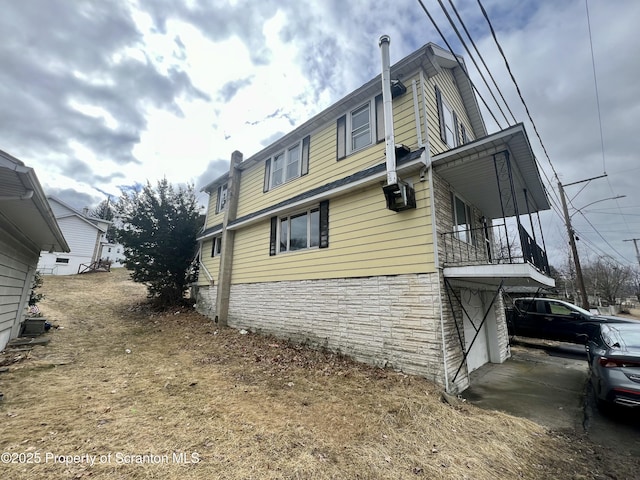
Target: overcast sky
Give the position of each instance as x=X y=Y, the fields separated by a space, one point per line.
x=99 y=95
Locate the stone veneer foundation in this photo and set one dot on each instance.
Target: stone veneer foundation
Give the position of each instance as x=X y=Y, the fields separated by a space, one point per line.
x=388 y=321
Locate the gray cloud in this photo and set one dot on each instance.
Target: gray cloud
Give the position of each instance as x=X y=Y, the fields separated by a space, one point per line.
x=215 y=169
x=83 y=173
x=38 y=81
x=231 y=88
x=73 y=198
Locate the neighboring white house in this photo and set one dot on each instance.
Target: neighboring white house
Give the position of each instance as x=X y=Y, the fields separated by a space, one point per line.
x=85 y=235
x=113 y=252
x=27 y=226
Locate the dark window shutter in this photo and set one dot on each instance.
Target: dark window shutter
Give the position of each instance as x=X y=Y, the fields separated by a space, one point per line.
x=324 y=224
x=218 y=199
x=456 y=137
x=443 y=128
x=273 y=237
x=463 y=132
x=342 y=137
x=213 y=247
x=379 y=119
x=306 y=142
x=267 y=174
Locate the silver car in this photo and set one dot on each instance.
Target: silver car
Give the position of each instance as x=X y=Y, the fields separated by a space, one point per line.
x=614 y=364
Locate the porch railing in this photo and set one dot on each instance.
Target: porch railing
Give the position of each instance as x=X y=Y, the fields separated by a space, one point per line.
x=495 y=244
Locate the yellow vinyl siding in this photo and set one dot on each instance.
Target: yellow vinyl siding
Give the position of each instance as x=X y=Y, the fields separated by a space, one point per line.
x=213 y=217
x=365 y=239
x=212 y=264
x=323 y=166
x=446 y=82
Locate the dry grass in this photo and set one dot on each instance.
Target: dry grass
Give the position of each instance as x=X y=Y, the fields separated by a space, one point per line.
x=250 y=407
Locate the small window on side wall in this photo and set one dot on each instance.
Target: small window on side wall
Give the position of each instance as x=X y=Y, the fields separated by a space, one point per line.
x=222 y=198
x=448 y=121
x=216 y=247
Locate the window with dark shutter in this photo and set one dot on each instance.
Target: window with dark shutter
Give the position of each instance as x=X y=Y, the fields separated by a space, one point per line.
x=341 y=136
x=379 y=119
x=306 y=142
x=443 y=127
x=267 y=175
x=273 y=247
x=324 y=224
x=456 y=137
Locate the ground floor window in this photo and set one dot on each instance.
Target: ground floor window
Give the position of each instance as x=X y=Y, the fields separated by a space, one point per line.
x=300 y=230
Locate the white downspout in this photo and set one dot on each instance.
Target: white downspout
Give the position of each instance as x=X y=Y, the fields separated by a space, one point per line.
x=392 y=177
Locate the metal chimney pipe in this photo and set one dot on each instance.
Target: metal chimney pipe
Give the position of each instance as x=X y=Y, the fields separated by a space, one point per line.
x=392 y=177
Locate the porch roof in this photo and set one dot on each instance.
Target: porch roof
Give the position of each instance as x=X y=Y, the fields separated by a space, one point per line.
x=470 y=170
x=491 y=276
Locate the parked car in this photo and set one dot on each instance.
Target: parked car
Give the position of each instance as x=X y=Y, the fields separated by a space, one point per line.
x=553 y=319
x=614 y=364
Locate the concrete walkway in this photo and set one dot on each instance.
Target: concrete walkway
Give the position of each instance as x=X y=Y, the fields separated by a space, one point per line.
x=549 y=385
x=546 y=389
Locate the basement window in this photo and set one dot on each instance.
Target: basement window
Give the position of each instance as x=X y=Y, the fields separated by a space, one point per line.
x=62 y=260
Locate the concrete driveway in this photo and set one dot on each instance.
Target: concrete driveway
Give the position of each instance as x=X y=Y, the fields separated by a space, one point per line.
x=548 y=384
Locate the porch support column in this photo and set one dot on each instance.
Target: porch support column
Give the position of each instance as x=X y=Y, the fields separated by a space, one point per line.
x=228 y=239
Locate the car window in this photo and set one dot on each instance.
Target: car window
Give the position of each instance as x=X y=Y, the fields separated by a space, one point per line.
x=559 y=309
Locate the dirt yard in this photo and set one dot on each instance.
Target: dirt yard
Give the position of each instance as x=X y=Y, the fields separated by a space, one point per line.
x=122 y=393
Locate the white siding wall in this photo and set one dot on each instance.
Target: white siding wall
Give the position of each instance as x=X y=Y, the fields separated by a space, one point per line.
x=17 y=267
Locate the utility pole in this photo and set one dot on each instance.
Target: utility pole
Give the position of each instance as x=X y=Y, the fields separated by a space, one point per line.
x=635 y=243
x=574 y=249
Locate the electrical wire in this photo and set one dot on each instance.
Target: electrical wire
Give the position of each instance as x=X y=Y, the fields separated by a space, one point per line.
x=595 y=82
x=464 y=44
x=455 y=10
x=435 y=25
x=513 y=79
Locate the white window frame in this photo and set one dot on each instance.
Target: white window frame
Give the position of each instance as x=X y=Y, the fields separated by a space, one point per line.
x=371 y=127
x=286 y=162
x=449 y=124
x=287 y=218
x=222 y=199
x=216 y=247
x=467 y=234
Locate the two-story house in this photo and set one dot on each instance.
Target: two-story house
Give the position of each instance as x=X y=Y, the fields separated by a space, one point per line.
x=86 y=236
x=378 y=227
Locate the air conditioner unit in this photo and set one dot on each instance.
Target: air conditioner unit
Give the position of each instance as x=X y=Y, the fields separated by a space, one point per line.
x=400 y=196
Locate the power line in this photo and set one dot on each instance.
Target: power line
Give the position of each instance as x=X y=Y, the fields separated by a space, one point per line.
x=595 y=81
x=458 y=62
x=464 y=44
x=513 y=79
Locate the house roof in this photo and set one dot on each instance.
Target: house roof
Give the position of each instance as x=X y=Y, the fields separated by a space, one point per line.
x=24 y=206
x=429 y=57
x=470 y=170
x=98 y=223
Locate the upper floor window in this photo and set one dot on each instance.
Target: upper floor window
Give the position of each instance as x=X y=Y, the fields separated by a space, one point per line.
x=302 y=230
x=222 y=198
x=216 y=247
x=448 y=121
x=462 y=220
x=356 y=130
x=293 y=162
